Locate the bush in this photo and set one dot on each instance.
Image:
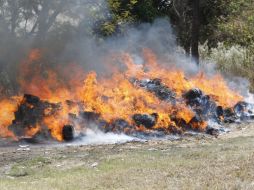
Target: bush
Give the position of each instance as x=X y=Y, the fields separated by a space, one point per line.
x=236 y=59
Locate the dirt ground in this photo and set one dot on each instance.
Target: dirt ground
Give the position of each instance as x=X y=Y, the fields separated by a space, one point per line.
x=192 y=162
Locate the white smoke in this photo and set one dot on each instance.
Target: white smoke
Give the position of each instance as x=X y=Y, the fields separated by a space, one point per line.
x=96 y=137
x=249 y=98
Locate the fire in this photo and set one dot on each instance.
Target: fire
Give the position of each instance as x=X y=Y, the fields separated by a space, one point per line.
x=7 y=109
x=114 y=97
x=33 y=130
x=217 y=88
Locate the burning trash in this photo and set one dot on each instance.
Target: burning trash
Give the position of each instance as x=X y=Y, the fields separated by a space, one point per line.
x=144 y=100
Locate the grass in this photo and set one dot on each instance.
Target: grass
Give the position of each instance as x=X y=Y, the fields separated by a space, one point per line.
x=220 y=164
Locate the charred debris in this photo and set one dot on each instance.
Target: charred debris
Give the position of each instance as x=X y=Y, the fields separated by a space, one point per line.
x=32 y=111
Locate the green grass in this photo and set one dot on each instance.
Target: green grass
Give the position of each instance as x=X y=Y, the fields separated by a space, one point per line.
x=220 y=164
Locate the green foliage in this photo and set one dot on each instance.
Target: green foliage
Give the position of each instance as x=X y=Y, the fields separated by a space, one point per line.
x=180 y=13
x=235 y=29
x=120 y=13
x=238 y=27
x=146 y=11
x=236 y=59
x=127 y=12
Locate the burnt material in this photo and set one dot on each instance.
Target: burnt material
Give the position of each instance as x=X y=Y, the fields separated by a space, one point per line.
x=148 y=121
x=202 y=105
x=159 y=89
x=193 y=95
x=207 y=109
x=89 y=116
x=120 y=126
x=229 y=116
x=212 y=131
x=197 y=124
x=30 y=113
x=68 y=132
x=31 y=99
x=179 y=122
x=244 y=110
x=219 y=112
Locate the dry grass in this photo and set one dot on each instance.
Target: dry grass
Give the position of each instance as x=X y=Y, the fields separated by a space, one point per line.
x=225 y=163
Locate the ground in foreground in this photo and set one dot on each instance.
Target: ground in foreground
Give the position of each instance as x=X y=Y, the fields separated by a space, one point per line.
x=193 y=163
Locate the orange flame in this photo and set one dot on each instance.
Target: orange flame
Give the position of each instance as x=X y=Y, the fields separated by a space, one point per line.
x=7 y=109
x=113 y=97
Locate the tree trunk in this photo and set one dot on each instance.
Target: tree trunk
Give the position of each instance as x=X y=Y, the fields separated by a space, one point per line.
x=195 y=31
x=46 y=19
x=14 y=16
x=42 y=21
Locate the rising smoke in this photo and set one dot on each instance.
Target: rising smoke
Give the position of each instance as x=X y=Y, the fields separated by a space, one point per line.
x=71 y=38
x=70 y=42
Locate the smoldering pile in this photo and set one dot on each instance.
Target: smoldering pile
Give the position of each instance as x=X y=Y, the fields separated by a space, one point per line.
x=59 y=101
x=32 y=112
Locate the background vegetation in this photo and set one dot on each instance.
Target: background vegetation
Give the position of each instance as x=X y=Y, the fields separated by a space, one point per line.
x=223 y=29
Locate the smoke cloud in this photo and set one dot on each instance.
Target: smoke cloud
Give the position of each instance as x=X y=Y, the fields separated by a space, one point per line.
x=64 y=35
x=71 y=39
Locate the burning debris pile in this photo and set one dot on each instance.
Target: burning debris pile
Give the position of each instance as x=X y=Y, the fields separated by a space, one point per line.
x=147 y=100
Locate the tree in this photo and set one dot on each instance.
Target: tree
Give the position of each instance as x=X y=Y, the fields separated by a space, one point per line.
x=237 y=27
x=46 y=24
x=194 y=21
x=195 y=31
x=114 y=22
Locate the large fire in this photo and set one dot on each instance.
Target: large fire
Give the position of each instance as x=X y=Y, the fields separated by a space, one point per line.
x=120 y=96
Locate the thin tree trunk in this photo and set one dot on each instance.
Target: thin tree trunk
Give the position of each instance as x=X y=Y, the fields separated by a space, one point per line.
x=42 y=21
x=195 y=31
x=14 y=16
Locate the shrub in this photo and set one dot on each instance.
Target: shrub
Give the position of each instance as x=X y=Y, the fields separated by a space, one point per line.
x=236 y=59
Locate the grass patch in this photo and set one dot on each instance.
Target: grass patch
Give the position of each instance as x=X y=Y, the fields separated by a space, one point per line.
x=18 y=171
x=221 y=164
